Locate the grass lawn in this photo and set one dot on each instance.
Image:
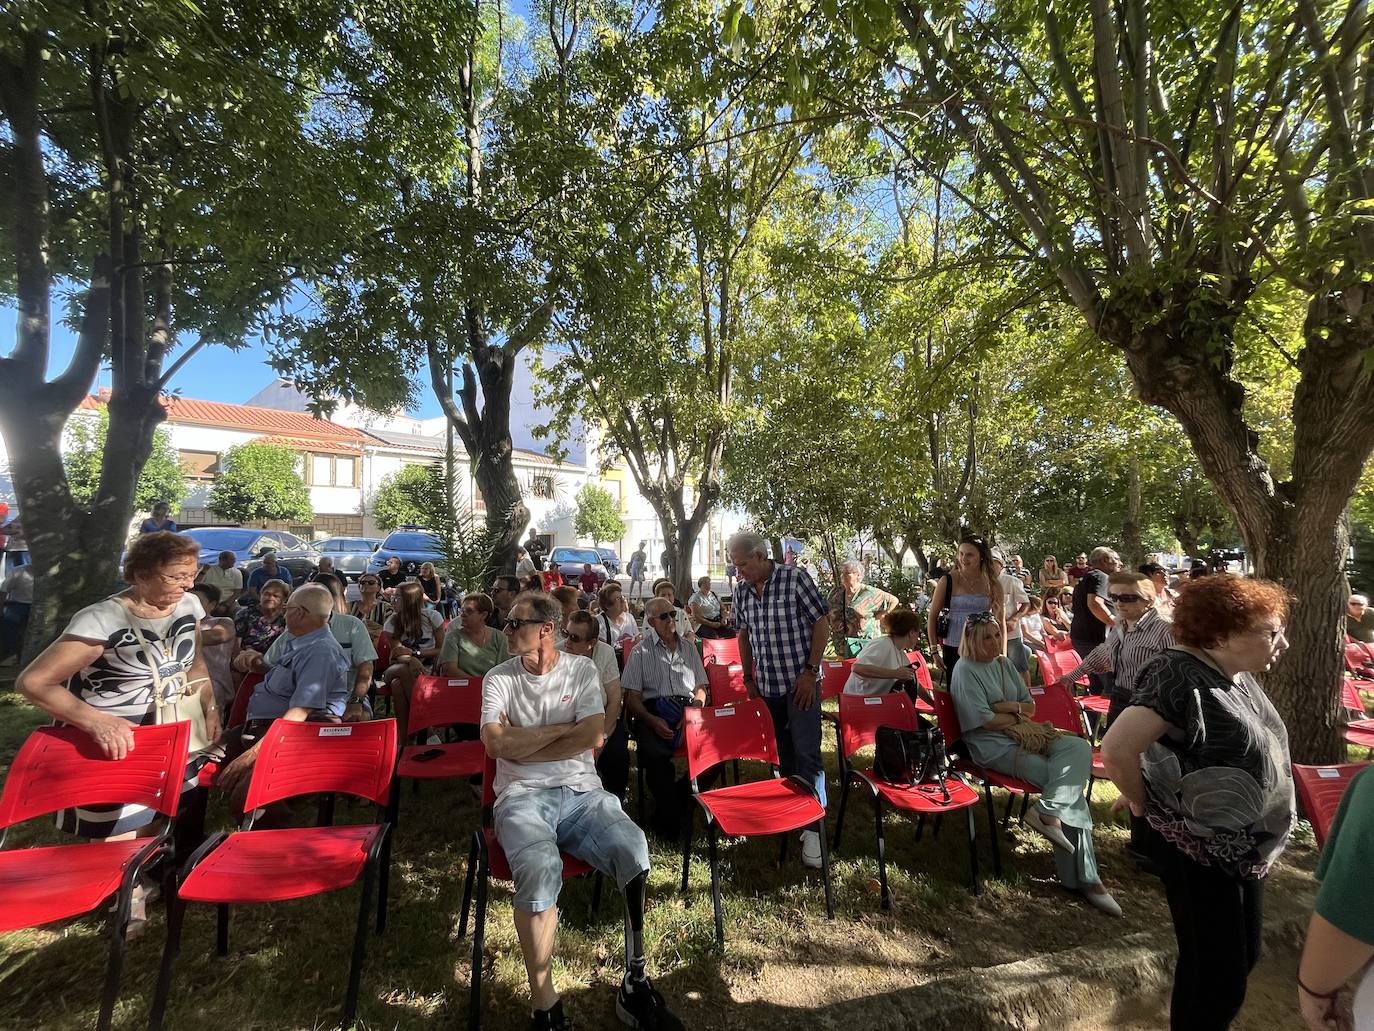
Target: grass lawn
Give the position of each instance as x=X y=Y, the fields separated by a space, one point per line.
x=287 y=962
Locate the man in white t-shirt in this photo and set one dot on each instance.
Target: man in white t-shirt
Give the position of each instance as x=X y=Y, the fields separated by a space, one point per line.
x=613 y=761
x=226 y=575
x=1015 y=604
x=543 y=715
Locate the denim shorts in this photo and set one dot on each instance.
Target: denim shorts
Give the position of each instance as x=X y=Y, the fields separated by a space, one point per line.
x=1018 y=653
x=534 y=824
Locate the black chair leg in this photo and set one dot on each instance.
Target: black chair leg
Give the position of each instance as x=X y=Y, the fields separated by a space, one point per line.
x=839 y=817
x=1006 y=813
x=973 y=852
x=992 y=830
x=920 y=825
x=176 y=916
x=825 y=871
x=596 y=893
x=114 y=969
x=1025 y=804
x=355 y=968
x=384 y=885
x=222 y=929
x=639 y=787
x=479 y=933
x=715 y=886
x=467 y=886
x=687 y=850
x=935 y=828
x=885 y=896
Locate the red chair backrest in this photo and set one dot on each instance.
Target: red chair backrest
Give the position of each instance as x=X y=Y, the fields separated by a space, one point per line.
x=323 y=758
x=947 y=717
x=1350 y=697
x=1359 y=657
x=1062 y=662
x=629 y=647
x=383 y=652
x=718 y=733
x=834 y=675
x=61 y=767
x=720 y=649
x=727 y=683
x=1058 y=644
x=1320 y=789
x=238 y=712
x=922 y=670
x=1055 y=705
x=439 y=701
x=862 y=715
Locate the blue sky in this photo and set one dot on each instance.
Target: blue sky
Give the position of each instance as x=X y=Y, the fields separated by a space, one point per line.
x=215 y=374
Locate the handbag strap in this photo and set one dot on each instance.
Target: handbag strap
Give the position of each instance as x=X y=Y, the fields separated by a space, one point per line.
x=163 y=699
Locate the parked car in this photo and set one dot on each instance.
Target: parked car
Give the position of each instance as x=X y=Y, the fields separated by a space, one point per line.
x=250 y=545
x=610 y=560
x=571 y=560
x=350 y=555
x=413 y=545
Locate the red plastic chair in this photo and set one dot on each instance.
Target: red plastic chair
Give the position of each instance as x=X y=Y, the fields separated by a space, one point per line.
x=254 y=866
x=834 y=675
x=923 y=680
x=1062 y=662
x=1360 y=733
x=486 y=860
x=860 y=718
x=948 y=718
x=1320 y=789
x=238 y=712
x=724 y=650
x=774 y=806
x=1054 y=705
x=60 y=768
x=726 y=683
x=1359 y=659
x=439 y=702
x=1350 y=696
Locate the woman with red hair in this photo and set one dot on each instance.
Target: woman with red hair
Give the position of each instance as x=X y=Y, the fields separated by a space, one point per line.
x=1201 y=757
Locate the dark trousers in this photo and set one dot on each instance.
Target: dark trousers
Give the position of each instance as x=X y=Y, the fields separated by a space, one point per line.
x=951 y=657
x=1218 y=919
x=1098 y=683
x=13 y=622
x=671 y=793
x=613 y=764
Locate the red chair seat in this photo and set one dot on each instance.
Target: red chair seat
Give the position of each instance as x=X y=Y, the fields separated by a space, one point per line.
x=1360 y=732
x=500 y=867
x=1098 y=769
x=463 y=759
x=923 y=707
x=998 y=780
x=922 y=798
x=40 y=885
x=1095 y=703
x=275 y=865
x=761 y=807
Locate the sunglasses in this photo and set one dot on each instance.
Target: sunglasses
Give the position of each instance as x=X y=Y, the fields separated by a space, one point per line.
x=516 y=624
x=977 y=618
x=579 y=640
x=664 y=616
x=1125 y=599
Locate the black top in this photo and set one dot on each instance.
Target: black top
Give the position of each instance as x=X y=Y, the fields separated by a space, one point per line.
x=432 y=588
x=1086 y=626
x=1219 y=784
x=390 y=579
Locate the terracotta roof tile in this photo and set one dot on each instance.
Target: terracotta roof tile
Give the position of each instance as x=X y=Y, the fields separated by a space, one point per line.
x=331 y=447
x=270 y=421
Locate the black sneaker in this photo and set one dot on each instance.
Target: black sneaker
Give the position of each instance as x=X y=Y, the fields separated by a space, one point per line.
x=639 y=1005
x=551 y=1019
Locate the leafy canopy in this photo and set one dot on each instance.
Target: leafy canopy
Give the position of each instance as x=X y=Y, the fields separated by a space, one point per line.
x=260 y=482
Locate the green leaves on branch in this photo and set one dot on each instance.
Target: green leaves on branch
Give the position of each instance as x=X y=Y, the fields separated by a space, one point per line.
x=260 y=482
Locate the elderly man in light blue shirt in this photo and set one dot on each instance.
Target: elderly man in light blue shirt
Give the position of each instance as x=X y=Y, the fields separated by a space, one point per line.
x=309 y=681
x=663 y=676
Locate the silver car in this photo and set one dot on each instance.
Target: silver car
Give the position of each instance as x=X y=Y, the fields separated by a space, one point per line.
x=349 y=554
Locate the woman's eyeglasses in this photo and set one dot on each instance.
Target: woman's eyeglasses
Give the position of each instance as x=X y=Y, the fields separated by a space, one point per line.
x=1125 y=599
x=177 y=581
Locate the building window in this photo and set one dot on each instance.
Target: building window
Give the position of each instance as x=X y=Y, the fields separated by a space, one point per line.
x=541 y=486
x=332 y=471
x=199 y=465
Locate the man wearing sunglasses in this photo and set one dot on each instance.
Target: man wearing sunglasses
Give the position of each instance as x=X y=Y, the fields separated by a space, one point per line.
x=1141 y=632
x=543 y=714
x=613 y=761
x=662 y=677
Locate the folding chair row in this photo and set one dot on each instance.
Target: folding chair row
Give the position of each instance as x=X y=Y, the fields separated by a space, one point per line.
x=1320 y=789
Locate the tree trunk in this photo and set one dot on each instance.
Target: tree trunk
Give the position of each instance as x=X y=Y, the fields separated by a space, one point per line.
x=1133 y=551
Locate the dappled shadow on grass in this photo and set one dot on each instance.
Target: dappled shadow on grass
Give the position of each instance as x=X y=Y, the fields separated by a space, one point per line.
x=288 y=961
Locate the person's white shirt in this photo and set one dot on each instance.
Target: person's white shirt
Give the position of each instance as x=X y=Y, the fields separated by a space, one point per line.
x=229 y=581
x=1013 y=597
x=881 y=651
x=604 y=657
x=524 y=567
x=613 y=629
x=568 y=693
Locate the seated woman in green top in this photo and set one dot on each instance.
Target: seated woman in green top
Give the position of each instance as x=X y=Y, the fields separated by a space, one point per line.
x=476 y=647
x=990 y=696
x=1340 y=936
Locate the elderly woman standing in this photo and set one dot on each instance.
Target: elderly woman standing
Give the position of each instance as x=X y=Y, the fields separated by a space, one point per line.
x=1202 y=756
x=991 y=697
x=868 y=601
x=121 y=660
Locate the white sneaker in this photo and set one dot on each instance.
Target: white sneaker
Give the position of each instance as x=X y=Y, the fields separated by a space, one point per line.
x=811 y=849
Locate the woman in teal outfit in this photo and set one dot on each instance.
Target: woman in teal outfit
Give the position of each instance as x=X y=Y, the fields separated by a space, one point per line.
x=990 y=696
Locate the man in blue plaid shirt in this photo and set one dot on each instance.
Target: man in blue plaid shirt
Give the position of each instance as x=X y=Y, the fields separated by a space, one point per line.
x=782 y=635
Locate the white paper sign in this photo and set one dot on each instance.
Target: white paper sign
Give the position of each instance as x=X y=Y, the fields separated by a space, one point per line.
x=1327 y=773
x=343 y=731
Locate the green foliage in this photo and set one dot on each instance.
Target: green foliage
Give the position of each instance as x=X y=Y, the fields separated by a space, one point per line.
x=598 y=515
x=259 y=482
x=409 y=496
x=160 y=480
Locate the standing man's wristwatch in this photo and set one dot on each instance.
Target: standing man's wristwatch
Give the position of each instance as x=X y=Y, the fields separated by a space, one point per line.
x=813 y=668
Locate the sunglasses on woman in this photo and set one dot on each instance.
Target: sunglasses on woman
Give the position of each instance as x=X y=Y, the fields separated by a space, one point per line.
x=978 y=618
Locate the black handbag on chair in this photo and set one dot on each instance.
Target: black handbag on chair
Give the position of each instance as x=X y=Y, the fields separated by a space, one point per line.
x=909 y=758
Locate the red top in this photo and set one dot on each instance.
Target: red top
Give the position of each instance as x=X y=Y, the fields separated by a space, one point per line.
x=551 y=579
x=589 y=582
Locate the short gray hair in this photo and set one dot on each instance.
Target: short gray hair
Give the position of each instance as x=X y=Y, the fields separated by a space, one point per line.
x=657 y=606
x=314 y=598
x=543 y=605
x=853 y=564
x=1359 y=599
x=1100 y=553
x=748 y=543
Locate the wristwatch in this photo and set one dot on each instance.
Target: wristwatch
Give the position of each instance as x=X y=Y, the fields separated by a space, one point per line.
x=813 y=668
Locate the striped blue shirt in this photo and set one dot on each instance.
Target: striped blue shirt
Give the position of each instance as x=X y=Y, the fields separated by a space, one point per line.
x=779 y=622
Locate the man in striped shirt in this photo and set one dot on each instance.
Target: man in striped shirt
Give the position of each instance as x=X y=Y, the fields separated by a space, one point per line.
x=1139 y=634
